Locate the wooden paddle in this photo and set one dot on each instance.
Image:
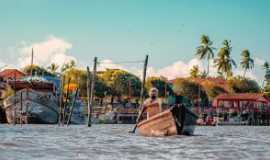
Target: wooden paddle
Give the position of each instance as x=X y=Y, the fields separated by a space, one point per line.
x=141 y=94
x=138 y=120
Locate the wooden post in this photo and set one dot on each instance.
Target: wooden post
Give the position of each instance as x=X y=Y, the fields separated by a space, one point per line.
x=15 y=102
x=143 y=80
x=65 y=104
x=73 y=103
x=129 y=89
x=21 y=109
x=61 y=101
x=141 y=109
x=32 y=62
x=88 y=95
x=92 y=92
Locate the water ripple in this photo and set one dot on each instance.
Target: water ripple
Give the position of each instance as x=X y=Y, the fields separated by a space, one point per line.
x=111 y=142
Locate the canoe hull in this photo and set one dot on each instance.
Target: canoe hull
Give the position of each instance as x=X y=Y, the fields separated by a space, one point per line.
x=175 y=121
x=32 y=108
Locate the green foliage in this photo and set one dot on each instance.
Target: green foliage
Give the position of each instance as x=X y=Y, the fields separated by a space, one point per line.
x=68 y=66
x=266 y=90
x=121 y=82
x=267 y=71
x=194 y=71
x=37 y=70
x=247 y=63
x=224 y=62
x=8 y=91
x=159 y=83
x=79 y=77
x=53 y=68
x=185 y=87
x=243 y=85
x=212 y=90
x=205 y=50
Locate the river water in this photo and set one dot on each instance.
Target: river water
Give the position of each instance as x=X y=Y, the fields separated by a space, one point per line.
x=113 y=142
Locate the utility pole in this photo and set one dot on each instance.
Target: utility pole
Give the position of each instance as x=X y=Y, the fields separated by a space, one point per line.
x=91 y=91
x=32 y=62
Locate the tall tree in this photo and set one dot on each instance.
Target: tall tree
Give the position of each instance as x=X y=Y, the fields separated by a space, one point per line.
x=224 y=62
x=205 y=50
x=121 y=83
x=266 y=67
x=247 y=63
x=53 y=68
x=36 y=70
x=243 y=85
x=161 y=84
x=194 y=71
x=68 y=66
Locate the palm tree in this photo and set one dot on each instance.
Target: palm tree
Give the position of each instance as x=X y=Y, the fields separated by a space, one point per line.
x=68 y=65
x=247 y=62
x=53 y=67
x=194 y=71
x=266 y=67
x=205 y=50
x=224 y=62
x=72 y=64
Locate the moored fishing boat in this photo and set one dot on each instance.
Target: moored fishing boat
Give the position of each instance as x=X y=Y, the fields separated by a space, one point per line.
x=178 y=120
x=32 y=106
x=33 y=102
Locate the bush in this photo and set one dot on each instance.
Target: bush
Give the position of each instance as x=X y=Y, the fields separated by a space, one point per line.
x=244 y=85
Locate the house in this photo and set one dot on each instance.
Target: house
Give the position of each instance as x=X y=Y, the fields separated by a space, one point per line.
x=9 y=74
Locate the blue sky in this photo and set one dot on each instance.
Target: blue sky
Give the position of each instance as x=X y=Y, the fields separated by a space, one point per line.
x=168 y=30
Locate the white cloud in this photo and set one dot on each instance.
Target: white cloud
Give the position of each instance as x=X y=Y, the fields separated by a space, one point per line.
x=2 y=65
x=258 y=61
x=176 y=69
x=109 y=64
x=51 y=50
x=55 y=50
x=249 y=74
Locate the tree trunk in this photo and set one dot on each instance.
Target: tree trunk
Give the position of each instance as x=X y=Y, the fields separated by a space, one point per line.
x=245 y=71
x=112 y=99
x=208 y=66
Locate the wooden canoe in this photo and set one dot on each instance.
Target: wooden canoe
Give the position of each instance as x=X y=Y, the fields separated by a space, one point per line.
x=177 y=120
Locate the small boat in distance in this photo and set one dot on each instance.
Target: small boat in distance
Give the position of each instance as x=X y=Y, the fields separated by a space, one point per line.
x=178 y=120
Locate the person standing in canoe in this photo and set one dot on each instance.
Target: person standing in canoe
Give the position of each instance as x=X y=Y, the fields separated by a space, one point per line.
x=152 y=105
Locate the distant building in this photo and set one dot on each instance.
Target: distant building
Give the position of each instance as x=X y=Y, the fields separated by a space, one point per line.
x=237 y=100
x=10 y=74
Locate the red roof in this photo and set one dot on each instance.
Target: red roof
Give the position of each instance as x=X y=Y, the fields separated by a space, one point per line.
x=11 y=73
x=254 y=97
x=35 y=85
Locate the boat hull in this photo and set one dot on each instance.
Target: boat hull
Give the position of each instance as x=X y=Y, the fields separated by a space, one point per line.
x=175 y=121
x=32 y=107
